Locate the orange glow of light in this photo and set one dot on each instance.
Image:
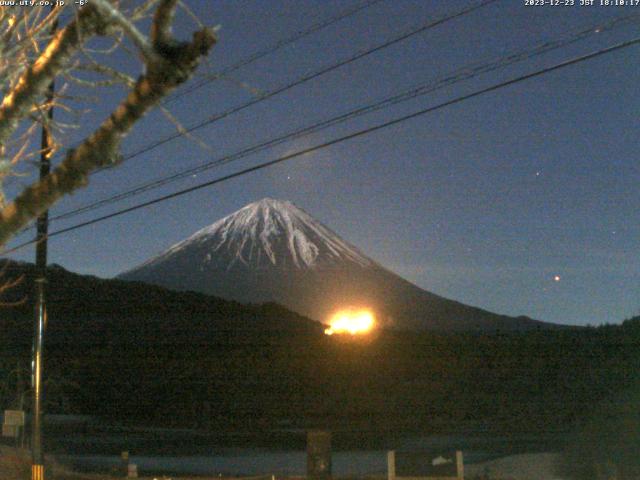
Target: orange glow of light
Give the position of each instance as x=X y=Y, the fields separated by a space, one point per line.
x=354 y=322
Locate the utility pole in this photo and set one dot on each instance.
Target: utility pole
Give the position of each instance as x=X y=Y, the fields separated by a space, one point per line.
x=37 y=455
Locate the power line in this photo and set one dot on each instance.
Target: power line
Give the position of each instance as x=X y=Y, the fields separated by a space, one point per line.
x=464 y=73
x=268 y=50
x=344 y=138
x=307 y=78
x=273 y=48
x=219 y=116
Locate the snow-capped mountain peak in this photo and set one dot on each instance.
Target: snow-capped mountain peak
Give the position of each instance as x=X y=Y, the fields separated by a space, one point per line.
x=268 y=233
x=273 y=251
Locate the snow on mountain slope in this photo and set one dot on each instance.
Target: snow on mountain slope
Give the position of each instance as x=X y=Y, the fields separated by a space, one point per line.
x=268 y=233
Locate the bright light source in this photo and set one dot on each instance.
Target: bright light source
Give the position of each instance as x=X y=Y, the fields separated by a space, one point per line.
x=354 y=322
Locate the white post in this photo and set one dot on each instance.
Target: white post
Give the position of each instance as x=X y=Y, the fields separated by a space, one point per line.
x=459 y=465
x=391 y=465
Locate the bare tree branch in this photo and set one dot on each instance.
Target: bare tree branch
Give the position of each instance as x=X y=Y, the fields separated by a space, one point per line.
x=161 y=28
x=170 y=64
x=8 y=284
x=114 y=16
x=143 y=10
x=35 y=80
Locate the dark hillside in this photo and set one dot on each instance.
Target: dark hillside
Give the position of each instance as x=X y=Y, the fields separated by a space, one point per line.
x=144 y=354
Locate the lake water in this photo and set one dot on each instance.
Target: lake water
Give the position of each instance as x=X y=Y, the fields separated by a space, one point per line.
x=248 y=462
x=262 y=461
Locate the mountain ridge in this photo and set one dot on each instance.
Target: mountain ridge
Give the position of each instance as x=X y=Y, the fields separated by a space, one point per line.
x=272 y=250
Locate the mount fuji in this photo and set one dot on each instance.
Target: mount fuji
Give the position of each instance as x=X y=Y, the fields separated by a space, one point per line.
x=273 y=251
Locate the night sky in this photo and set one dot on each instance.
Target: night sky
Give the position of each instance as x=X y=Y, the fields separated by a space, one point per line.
x=523 y=201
